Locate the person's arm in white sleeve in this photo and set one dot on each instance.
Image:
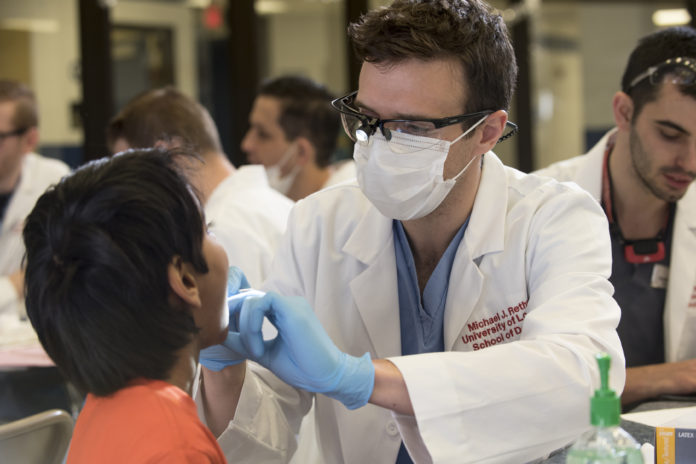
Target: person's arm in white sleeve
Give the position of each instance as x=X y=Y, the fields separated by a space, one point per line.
x=251 y=412
x=255 y=416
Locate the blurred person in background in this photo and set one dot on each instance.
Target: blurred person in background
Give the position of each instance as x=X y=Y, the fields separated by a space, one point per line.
x=293 y=133
x=642 y=172
x=24 y=176
x=247 y=216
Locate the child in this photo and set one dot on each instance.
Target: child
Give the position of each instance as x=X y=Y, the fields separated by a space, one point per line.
x=124 y=287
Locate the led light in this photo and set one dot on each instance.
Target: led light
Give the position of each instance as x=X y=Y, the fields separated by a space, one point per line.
x=675 y=17
x=270 y=7
x=30 y=25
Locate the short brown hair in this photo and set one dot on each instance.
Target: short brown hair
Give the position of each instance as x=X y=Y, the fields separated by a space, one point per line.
x=26 y=113
x=305 y=110
x=466 y=30
x=164 y=114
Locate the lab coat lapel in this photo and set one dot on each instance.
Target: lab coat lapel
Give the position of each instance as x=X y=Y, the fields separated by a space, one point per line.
x=680 y=305
x=374 y=290
x=484 y=234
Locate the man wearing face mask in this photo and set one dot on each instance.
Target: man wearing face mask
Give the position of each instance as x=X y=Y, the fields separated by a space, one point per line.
x=246 y=215
x=444 y=308
x=293 y=133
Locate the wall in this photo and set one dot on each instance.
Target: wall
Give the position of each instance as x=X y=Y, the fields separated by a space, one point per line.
x=311 y=42
x=180 y=20
x=53 y=62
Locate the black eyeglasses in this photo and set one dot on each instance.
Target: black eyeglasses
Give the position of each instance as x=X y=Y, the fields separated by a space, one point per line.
x=681 y=70
x=360 y=127
x=8 y=134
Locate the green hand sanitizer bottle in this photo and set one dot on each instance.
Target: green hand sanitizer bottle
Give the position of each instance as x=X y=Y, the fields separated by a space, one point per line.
x=606 y=442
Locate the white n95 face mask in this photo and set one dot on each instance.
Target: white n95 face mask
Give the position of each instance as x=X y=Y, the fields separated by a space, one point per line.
x=275 y=178
x=403 y=178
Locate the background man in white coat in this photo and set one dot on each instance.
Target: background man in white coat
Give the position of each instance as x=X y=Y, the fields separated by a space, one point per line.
x=642 y=172
x=24 y=176
x=246 y=215
x=463 y=300
x=293 y=133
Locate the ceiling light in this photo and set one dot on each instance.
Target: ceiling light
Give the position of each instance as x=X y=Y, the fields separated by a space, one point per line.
x=675 y=17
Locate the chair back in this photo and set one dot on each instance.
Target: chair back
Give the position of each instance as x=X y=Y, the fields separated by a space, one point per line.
x=39 y=439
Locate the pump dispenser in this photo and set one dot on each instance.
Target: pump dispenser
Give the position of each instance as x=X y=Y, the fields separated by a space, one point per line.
x=605 y=442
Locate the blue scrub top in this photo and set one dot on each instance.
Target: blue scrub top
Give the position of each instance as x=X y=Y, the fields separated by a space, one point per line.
x=422 y=318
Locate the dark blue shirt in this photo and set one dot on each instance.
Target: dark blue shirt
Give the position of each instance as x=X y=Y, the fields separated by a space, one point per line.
x=640 y=290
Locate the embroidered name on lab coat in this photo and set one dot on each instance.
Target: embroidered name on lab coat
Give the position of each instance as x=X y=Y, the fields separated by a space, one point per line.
x=505 y=325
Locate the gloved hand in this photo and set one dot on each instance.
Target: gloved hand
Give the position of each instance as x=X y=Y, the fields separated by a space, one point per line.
x=218 y=357
x=302 y=354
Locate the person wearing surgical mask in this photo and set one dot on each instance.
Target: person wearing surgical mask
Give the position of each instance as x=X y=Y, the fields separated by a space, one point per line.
x=247 y=216
x=443 y=308
x=293 y=133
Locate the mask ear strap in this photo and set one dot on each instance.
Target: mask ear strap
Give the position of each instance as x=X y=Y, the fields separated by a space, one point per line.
x=469 y=130
x=459 y=174
x=287 y=155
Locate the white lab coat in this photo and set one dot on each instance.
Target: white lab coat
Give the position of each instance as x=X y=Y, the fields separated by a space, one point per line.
x=341 y=171
x=248 y=219
x=38 y=173
x=680 y=303
x=535 y=250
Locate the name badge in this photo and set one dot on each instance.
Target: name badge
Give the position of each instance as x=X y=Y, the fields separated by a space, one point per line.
x=660 y=275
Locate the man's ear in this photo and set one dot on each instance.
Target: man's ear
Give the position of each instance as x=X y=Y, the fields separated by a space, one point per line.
x=31 y=139
x=182 y=281
x=623 y=108
x=306 y=153
x=492 y=129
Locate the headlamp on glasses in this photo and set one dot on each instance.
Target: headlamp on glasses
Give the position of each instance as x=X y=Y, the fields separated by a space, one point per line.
x=680 y=70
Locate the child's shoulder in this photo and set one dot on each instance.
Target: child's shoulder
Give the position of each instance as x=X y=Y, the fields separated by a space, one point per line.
x=116 y=425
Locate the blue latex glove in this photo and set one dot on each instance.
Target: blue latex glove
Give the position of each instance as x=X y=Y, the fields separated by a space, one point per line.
x=302 y=354
x=218 y=357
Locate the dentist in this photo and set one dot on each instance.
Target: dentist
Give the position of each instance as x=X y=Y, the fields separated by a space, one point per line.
x=444 y=308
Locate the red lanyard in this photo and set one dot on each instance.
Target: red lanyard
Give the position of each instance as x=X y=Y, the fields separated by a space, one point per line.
x=635 y=251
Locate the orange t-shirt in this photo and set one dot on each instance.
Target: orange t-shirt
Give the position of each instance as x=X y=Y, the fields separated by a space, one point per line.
x=148 y=421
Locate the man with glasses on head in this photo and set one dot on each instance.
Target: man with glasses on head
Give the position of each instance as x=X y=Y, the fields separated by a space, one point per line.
x=642 y=173
x=446 y=308
x=24 y=176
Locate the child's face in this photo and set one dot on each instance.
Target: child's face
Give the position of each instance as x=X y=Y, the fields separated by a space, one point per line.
x=214 y=317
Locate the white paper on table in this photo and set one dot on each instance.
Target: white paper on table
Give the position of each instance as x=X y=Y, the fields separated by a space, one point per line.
x=677 y=417
x=16 y=332
x=19 y=345
x=648 y=452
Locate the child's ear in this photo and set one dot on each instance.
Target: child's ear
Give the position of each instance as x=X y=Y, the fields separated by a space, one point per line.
x=182 y=281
